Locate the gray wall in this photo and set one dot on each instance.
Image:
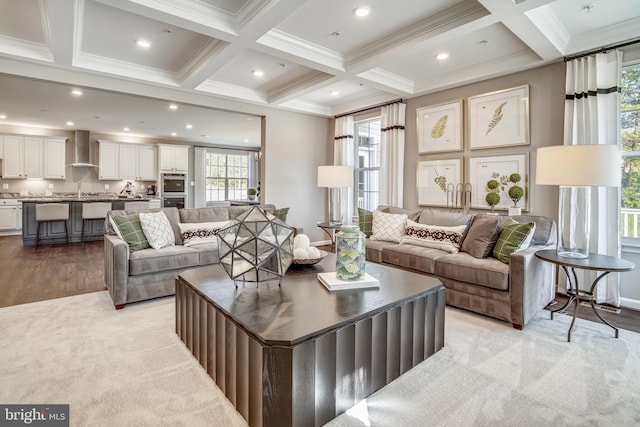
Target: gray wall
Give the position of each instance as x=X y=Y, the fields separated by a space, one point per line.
x=546 y=117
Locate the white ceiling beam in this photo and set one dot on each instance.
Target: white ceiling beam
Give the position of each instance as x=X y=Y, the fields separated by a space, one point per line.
x=59 y=29
x=307 y=83
x=612 y=34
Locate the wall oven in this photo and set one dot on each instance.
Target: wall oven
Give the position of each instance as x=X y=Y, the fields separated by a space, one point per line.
x=174 y=201
x=174 y=184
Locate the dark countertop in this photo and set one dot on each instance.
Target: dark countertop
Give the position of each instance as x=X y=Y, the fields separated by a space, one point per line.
x=81 y=199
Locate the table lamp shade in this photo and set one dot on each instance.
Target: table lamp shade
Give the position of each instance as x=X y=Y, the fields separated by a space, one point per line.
x=576 y=165
x=335 y=176
x=577 y=168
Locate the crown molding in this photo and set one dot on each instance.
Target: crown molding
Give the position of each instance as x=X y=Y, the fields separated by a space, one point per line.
x=124 y=69
x=232 y=92
x=550 y=27
x=298 y=87
x=388 y=80
x=25 y=49
x=201 y=59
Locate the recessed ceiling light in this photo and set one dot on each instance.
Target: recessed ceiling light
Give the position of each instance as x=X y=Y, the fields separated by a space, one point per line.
x=76 y=92
x=246 y=140
x=2 y=116
x=442 y=56
x=70 y=123
x=143 y=43
x=361 y=11
x=189 y=126
x=173 y=107
x=173 y=134
x=258 y=73
x=126 y=129
x=334 y=93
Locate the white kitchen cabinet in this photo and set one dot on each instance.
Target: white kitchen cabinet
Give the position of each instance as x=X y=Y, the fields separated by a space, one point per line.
x=10 y=215
x=54 y=158
x=1 y=147
x=22 y=157
x=174 y=158
x=137 y=162
x=109 y=160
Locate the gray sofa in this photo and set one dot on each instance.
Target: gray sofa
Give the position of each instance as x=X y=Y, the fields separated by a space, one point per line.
x=151 y=273
x=513 y=292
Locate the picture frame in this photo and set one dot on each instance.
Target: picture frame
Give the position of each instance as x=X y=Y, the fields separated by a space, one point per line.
x=441 y=192
x=499 y=119
x=440 y=128
x=484 y=169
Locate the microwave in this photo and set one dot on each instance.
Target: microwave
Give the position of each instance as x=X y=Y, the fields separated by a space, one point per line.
x=174 y=183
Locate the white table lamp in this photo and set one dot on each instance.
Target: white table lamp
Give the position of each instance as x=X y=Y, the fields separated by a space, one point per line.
x=577 y=168
x=335 y=178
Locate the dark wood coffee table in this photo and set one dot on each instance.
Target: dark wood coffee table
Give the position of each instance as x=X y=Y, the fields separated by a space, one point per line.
x=299 y=355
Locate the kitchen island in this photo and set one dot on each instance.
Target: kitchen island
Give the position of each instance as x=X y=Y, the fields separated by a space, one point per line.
x=54 y=232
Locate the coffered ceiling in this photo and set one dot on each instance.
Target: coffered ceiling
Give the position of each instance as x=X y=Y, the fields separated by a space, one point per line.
x=315 y=56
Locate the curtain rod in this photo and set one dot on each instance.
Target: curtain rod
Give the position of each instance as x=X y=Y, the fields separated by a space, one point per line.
x=368 y=108
x=600 y=50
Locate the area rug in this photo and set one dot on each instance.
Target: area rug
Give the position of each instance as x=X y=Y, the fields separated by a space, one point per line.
x=129 y=368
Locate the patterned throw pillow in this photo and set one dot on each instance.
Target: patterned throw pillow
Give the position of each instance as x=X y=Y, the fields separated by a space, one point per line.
x=514 y=236
x=130 y=229
x=200 y=232
x=157 y=229
x=388 y=226
x=365 y=220
x=281 y=214
x=434 y=236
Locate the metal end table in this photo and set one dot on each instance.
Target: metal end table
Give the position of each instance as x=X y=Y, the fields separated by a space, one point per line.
x=595 y=262
x=330 y=228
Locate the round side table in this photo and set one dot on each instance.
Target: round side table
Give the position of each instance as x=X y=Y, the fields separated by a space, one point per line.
x=330 y=228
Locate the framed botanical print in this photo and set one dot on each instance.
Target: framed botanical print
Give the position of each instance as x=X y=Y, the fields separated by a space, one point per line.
x=496 y=175
x=438 y=181
x=499 y=119
x=440 y=128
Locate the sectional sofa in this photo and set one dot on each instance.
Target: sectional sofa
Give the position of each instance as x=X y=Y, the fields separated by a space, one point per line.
x=512 y=291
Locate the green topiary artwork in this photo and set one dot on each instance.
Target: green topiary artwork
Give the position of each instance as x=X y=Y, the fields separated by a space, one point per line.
x=492 y=199
x=515 y=192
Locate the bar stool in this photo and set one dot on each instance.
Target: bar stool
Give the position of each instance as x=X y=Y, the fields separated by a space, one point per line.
x=93 y=211
x=134 y=206
x=48 y=212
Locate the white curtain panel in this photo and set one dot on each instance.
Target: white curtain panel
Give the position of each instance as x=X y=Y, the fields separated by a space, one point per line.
x=592 y=116
x=392 y=161
x=199 y=175
x=343 y=155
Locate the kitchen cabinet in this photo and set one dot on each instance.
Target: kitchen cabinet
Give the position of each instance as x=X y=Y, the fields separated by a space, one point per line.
x=137 y=162
x=54 y=158
x=23 y=157
x=10 y=215
x=108 y=162
x=174 y=158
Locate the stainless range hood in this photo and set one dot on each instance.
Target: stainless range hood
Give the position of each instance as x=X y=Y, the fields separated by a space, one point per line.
x=81 y=151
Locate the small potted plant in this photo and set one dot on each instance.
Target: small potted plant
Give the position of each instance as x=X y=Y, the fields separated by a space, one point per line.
x=493 y=197
x=515 y=193
x=251 y=193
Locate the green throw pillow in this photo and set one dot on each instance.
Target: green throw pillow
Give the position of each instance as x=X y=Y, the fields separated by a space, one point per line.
x=281 y=214
x=131 y=231
x=512 y=237
x=365 y=220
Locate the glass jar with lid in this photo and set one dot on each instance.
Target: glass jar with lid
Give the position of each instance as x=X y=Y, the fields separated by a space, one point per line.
x=350 y=253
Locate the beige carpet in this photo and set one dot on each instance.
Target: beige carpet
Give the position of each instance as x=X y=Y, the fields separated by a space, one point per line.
x=128 y=368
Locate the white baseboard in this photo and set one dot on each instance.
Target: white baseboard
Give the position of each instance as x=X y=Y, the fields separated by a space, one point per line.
x=321 y=243
x=633 y=304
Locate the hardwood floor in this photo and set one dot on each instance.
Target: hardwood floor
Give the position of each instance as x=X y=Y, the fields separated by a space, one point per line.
x=29 y=274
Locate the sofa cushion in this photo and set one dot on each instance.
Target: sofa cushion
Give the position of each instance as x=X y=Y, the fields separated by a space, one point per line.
x=448 y=219
x=365 y=220
x=462 y=267
x=412 y=214
x=130 y=230
x=374 y=248
x=169 y=258
x=172 y=215
x=236 y=211
x=482 y=236
x=209 y=214
x=513 y=236
x=281 y=214
x=545 y=232
x=207 y=253
x=388 y=226
x=413 y=257
x=157 y=229
x=201 y=232
x=433 y=236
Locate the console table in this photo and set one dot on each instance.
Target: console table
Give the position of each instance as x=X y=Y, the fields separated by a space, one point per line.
x=596 y=262
x=299 y=355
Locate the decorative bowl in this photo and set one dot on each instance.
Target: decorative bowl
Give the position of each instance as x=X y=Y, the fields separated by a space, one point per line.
x=309 y=261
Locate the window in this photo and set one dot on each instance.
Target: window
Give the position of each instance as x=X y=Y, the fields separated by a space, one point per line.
x=367 y=168
x=227 y=176
x=630 y=136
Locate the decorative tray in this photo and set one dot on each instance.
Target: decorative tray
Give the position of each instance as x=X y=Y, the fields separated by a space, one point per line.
x=309 y=261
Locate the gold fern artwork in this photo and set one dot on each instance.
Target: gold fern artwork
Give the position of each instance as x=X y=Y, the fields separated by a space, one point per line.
x=497 y=116
x=439 y=128
x=441 y=180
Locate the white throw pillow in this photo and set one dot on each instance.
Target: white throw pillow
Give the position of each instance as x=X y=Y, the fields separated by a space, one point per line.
x=387 y=226
x=194 y=233
x=157 y=229
x=434 y=236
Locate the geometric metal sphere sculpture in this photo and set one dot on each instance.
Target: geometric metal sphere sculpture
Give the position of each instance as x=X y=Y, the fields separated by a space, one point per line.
x=256 y=247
